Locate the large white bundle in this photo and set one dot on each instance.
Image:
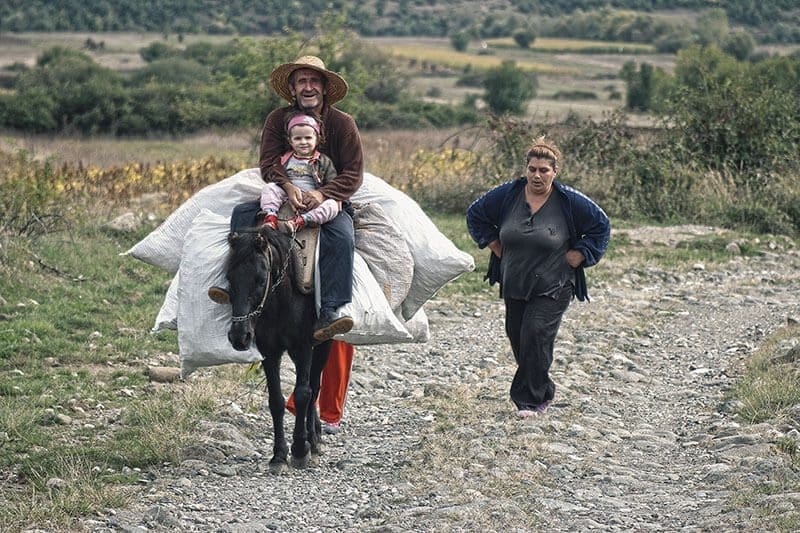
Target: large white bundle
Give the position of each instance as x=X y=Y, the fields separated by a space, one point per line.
x=203 y=325
x=417 y=326
x=437 y=261
x=385 y=250
x=373 y=319
x=162 y=247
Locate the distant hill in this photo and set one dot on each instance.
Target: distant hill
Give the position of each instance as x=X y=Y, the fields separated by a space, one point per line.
x=439 y=18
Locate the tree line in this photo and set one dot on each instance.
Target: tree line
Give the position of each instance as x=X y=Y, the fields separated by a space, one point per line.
x=204 y=85
x=773 y=21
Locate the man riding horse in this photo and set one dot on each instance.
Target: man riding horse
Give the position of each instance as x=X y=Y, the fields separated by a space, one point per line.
x=311 y=88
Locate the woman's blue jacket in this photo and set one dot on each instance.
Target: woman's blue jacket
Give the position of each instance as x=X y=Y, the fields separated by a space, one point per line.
x=589 y=227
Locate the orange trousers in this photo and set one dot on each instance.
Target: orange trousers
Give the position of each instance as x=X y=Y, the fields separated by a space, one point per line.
x=333 y=387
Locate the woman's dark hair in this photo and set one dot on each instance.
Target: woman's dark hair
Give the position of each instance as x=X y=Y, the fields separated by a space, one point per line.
x=544 y=149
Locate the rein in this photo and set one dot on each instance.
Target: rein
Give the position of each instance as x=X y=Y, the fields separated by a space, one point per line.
x=269 y=287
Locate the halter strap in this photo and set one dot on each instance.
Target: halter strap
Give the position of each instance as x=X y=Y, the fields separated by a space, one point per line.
x=268 y=288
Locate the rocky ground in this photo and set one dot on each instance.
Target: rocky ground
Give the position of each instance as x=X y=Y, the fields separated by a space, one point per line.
x=641 y=436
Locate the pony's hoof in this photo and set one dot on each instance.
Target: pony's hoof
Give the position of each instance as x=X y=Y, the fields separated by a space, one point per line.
x=277 y=468
x=301 y=462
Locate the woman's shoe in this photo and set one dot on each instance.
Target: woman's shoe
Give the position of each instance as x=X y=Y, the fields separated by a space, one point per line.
x=331 y=428
x=541 y=408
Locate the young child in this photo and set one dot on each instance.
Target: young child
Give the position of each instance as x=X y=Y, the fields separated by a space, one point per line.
x=307 y=169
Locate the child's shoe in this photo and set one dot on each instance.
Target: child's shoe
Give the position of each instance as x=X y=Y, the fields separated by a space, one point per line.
x=271 y=220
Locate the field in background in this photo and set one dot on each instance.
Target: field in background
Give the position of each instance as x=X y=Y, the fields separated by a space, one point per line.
x=433 y=65
x=561 y=66
x=441 y=58
x=120 y=51
x=549 y=44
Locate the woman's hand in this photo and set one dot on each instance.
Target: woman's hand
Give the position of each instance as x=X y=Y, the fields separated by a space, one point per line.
x=496 y=248
x=575 y=258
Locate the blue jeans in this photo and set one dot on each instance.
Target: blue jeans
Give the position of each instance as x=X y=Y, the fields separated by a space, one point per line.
x=336 y=249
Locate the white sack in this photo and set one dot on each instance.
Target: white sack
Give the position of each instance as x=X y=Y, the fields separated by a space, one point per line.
x=162 y=247
x=437 y=261
x=384 y=249
x=373 y=319
x=202 y=324
x=418 y=327
x=167 y=317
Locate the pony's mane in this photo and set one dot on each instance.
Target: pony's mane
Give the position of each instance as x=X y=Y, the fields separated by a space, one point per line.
x=243 y=245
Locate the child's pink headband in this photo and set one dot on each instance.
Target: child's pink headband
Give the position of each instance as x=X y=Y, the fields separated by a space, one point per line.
x=303 y=120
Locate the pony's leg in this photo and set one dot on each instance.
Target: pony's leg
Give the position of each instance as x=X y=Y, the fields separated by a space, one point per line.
x=277 y=407
x=319 y=359
x=302 y=401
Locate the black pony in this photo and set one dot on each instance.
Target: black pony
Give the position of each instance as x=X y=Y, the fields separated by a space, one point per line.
x=267 y=304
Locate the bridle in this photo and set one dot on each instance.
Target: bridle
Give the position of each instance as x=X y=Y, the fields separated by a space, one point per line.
x=269 y=288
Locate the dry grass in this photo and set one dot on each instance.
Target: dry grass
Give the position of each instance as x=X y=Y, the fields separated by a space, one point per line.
x=390 y=153
x=451 y=452
x=104 y=152
x=576 y=45
x=387 y=153
x=444 y=56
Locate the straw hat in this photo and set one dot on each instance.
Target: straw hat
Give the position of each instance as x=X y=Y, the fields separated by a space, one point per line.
x=336 y=88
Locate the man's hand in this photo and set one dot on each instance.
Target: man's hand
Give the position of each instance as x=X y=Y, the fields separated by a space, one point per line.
x=312 y=199
x=295 y=195
x=575 y=258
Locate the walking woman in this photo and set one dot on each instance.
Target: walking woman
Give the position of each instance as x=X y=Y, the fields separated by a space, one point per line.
x=542 y=235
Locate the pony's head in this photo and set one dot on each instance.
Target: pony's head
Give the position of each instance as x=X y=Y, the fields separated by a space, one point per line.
x=249 y=274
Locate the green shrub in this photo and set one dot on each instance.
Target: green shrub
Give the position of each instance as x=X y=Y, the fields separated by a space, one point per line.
x=152 y=108
x=575 y=95
x=434 y=92
x=459 y=40
x=172 y=70
x=31 y=111
x=674 y=41
x=739 y=44
x=85 y=96
x=158 y=50
x=410 y=114
x=508 y=88
x=373 y=72
x=471 y=79
x=524 y=37
x=758 y=219
x=735 y=115
x=645 y=85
